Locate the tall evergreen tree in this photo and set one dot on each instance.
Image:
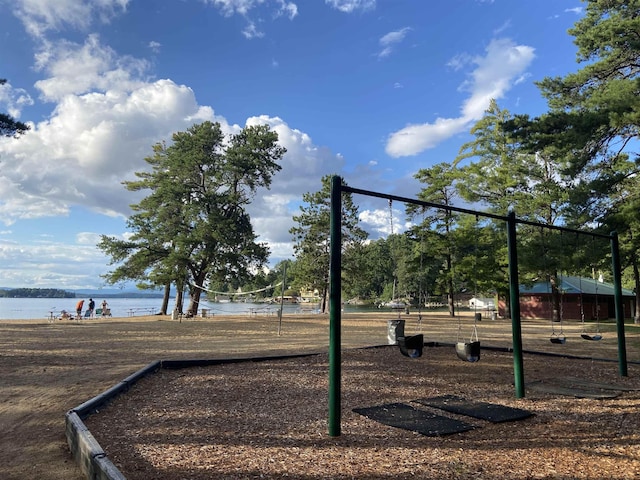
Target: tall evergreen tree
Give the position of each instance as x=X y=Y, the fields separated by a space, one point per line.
x=440 y=188
x=311 y=237
x=594 y=121
x=504 y=174
x=193 y=227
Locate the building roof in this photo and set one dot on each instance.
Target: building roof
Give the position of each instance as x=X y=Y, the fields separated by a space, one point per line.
x=575 y=285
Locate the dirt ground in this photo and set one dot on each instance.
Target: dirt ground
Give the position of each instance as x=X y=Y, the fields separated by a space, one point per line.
x=48 y=368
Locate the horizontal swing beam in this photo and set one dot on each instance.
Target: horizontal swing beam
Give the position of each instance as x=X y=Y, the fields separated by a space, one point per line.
x=504 y=218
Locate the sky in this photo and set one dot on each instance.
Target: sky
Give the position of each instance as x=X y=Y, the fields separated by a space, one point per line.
x=372 y=90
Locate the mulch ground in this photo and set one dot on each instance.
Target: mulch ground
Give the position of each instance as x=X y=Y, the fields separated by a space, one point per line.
x=48 y=368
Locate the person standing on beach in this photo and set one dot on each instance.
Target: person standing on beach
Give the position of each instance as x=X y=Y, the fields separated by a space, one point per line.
x=92 y=307
x=79 y=306
x=105 y=305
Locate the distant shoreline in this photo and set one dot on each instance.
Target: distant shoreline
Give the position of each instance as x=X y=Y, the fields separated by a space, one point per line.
x=105 y=295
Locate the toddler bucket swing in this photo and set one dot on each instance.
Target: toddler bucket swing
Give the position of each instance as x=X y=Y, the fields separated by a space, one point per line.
x=557 y=337
x=597 y=336
x=413 y=345
x=470 y=351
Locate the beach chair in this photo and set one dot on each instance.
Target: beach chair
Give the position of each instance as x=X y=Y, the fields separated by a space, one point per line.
x=87 y=314
x=103 y=312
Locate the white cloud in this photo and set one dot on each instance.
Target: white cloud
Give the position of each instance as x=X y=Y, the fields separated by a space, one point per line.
x=106 y=116
x=155 y=46
x=394 y=37
x=503 y=64
x=388 y=41
x=13 y=100
x=41 y=16
x=251 y=31
x=288 y=9
x=414 y=139
x=459 y=61
x=505 y=26
x=87 y=238
x=303 y=164
x=67 y=266
x=280 y=8
x=75 y=69
x=349 y=6
x=376 y=220
x=231 y=7
x=103 y=126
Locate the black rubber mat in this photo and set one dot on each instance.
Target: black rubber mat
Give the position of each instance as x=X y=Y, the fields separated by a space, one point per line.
x=491 y=412
x=405 y=416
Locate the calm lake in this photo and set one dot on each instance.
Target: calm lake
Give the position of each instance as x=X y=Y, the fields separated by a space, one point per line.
x=41 y=308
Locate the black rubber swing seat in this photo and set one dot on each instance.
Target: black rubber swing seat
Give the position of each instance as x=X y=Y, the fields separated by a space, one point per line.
x=411 y=346
x=558 y=339
x=595 y=337
x=468 y=351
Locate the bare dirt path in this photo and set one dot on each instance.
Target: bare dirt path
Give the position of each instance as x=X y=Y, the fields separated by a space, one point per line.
x=48 y=368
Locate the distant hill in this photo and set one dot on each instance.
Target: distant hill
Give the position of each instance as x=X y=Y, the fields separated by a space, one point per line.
x=35 y=293
x=80 y=293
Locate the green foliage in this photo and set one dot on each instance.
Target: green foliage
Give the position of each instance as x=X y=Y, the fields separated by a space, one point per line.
x=193 y=228
x=311 y=237
x=594 y=122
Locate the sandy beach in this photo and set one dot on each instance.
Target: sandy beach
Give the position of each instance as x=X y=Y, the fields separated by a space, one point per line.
x=48 y=368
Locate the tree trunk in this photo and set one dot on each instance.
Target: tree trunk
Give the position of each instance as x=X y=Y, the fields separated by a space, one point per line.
x=323 y=305
x=450 y=288
x=165 y=299
x=194 y=294
x=507 y=304
x=636 y=281
x=179 y=299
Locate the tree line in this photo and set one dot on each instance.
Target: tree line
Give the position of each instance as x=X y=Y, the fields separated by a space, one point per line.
x=36 y=293
x=573 y=166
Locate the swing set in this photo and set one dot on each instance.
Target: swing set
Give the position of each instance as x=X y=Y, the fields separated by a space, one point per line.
x=597 y=335
x=412 y=346
x=557 y=316
x=469 y=351
x=335 y=287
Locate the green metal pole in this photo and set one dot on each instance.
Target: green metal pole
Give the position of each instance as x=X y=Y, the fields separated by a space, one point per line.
x=617 y=289
x=514 y=298
x=334 y=307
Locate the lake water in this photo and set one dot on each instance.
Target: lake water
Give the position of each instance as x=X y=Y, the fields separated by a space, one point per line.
x=41 y=308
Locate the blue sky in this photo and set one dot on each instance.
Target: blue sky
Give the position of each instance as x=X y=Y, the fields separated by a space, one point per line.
x=373 y=90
